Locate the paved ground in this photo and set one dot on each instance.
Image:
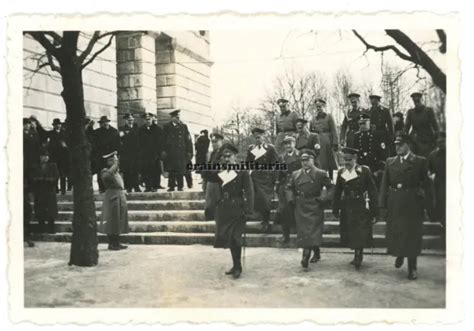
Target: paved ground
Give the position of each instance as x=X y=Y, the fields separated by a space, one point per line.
x=193 y=276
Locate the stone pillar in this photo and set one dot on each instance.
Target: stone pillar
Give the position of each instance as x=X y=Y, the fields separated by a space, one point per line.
x=136 y=74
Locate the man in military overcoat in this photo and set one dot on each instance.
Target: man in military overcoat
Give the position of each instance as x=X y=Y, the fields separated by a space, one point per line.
x=286 y=124
x=306 y=139
x=350 y=123
x=422 y=126
x=405 y=194
x=381 y=120
x=59 y=154
x=285 y=214
x=263 y=180
x=234 y=207
x=178 y=150
x=308 y=189
x=150 y=138
x=354 y=186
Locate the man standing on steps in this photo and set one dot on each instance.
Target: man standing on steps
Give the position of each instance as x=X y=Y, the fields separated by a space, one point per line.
x=354 y=184
x=150 y=139
x=234 y=207
x=107 y=140
x=405 y=193
x=263 y=180
x=114 y=206
x=129 y=154
x=305 y=191
x=285 y=214
x=381 y=120
x=285 y=124
x=178 y=150
x=59 y=154
x=350 y=123
x=211 y=182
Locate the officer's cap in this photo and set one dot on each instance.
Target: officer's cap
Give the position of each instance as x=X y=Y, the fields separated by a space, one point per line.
x=416 y=95
x=349 y=150
x=398 y=114
x=175 y=113
x=364 y=117
x=127 y=116
x=307 y=154
x=375 y=96
x=301 y=120
x=353 y=95
x=229 y=147
x=217 y=135
x=282 y=101
x=110 y=155
x=402 y=139
x=288 y=139
x=258 y=130
x=320 y=100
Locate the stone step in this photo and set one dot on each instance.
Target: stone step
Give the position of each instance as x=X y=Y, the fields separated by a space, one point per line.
x=146 y=205
x=162 y=195
x=330 y=227
x=251 y=240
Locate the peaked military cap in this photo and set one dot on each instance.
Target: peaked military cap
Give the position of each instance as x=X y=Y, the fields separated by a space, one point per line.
x=282 y=101
x=402 y=139
x=258 y=130
x=108 y=156
x=307 y=154
x=301 y=120
x=353 y=95
x=349 y=150
x=398 y=114
x=229 y=147
x=375 y=96
x=175 y=112
x=217 y=135
x=127 y=116
x=364 y=117
x=320 y=100
x=416 y=94
x=288 y=139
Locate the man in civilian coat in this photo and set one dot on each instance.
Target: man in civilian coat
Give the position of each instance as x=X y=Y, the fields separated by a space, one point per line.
x=59 y=154
x=305 y=191
x=150 y=138
x=263 y=180
x=405 y=194
x=107 y=140
x=178 y=150
x=129 y=154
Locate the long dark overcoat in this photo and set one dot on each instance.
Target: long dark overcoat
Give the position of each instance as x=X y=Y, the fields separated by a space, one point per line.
x=350 y=203
x=106 y=141
x=178 y=147
x=44 y=178
x=350 y=125
x=59 y=152
x=324 y=125
x=422 y=126
x=305 y=191
x=130 y=149
x=264 y=180
x=405 y=193
x=235 y=204
x=285 y=213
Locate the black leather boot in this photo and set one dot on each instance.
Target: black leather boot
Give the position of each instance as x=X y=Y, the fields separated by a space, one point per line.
x=399 y=262
x=285 y=239
x=112 y=245
x=236 y=269
x=358 y=258
x=306 y=256
x=317 y=254
x=118 y=244
x=412 y=273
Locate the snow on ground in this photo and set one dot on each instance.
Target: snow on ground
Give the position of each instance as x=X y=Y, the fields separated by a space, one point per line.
x=193 y=276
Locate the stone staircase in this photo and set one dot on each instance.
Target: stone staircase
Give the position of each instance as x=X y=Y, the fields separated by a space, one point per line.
x=177 y=218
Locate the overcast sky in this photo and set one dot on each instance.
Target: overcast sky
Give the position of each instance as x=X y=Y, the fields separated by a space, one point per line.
x=247 y=62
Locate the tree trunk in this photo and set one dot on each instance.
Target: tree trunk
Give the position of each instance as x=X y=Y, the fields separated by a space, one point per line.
x=84 y=242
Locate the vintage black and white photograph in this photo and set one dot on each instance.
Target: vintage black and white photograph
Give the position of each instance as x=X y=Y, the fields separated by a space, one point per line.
x=295 y=167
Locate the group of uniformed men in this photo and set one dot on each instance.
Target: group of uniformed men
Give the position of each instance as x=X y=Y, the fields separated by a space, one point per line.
x=368 y=187
x=389 y=172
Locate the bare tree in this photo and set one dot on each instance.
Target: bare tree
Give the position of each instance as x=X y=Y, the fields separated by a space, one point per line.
x=63 y=56
x=342 y=86
x=407 y=49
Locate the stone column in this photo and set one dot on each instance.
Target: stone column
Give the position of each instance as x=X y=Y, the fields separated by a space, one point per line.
x=136 y=74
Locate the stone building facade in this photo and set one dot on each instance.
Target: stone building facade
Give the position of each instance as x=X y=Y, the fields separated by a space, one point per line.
x=151 y=71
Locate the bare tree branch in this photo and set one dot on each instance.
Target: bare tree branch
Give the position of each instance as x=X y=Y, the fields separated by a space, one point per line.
x=89 y=47
x=99 y=51
x=47 y=45
x=382 y=48
x=56 y=37
x=442 y=39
